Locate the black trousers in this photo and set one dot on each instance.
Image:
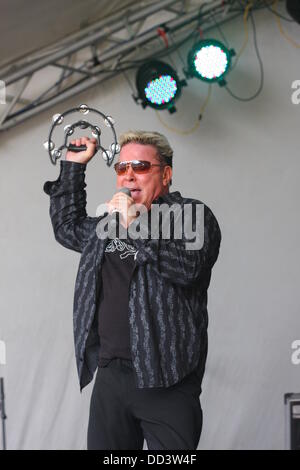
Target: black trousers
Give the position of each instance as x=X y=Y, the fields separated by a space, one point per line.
x=122 y=416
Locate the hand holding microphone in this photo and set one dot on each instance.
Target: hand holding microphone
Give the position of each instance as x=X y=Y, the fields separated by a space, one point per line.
x=121 y=203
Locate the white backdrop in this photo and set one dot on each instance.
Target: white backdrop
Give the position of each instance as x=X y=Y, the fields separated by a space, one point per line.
x=243 y=162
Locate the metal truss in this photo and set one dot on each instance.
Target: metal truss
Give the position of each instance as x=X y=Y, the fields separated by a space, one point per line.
x=110 y=47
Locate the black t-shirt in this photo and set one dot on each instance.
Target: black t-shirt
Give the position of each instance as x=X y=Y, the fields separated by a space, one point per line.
x=113 y=320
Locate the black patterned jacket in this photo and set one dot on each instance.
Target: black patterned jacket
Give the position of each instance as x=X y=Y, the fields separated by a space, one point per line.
x=168 y=290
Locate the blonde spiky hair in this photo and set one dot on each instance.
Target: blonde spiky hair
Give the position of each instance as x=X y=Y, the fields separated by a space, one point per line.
x=159 y=141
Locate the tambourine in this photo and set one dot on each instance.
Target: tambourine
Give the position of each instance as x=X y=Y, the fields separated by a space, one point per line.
x=108 y=154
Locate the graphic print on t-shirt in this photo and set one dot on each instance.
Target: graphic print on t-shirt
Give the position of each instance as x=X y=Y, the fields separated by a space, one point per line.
x=113 y=322
x=122 y=247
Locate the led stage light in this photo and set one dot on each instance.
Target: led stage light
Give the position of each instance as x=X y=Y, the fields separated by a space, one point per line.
x=158 y=85
x=210 y=60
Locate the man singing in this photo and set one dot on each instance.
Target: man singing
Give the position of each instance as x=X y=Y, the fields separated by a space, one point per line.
x=140 y=303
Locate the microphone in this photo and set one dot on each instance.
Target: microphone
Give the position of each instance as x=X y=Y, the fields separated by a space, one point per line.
x=122 y=190
x=115 y=221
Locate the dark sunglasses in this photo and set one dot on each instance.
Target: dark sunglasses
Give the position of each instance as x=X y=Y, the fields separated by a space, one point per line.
x=138 y=166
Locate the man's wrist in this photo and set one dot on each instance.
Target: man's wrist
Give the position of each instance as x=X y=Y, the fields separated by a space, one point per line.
x=69 y=169
x=71 y=164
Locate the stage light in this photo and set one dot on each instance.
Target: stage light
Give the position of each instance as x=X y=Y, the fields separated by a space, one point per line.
x=293 y=8
x=158 y=85
x=210 y=60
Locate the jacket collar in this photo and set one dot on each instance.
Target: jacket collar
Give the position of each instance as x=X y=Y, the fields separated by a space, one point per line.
x=168 y=198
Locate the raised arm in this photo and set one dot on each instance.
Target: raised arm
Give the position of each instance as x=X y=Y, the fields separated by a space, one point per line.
x=71 y=224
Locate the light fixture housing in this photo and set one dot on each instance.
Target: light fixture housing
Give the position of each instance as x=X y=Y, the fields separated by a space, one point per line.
x=158 y=85
x=293 y=8
x=209 y=60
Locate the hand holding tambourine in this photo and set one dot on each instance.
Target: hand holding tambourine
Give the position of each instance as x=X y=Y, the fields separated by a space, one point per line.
x=83 y=156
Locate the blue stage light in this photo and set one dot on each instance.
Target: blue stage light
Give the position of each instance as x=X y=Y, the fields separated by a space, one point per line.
x=158 y=85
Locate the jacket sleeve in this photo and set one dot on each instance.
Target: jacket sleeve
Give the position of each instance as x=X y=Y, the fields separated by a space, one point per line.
x=71 y=225
x=172 y=260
